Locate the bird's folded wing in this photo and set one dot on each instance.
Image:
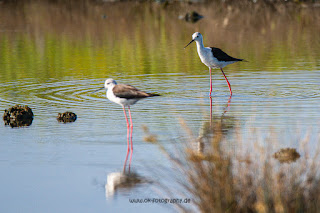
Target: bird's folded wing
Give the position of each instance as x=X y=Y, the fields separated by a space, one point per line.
x=222 y=56
x=128 y=92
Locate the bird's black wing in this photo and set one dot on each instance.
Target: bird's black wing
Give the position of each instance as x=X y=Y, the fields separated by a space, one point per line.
x=222 y=56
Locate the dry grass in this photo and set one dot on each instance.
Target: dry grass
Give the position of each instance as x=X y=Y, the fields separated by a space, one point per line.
x=247 y=179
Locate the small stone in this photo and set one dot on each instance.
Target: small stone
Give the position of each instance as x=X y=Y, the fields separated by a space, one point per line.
x=192 y=17
x=67 y=117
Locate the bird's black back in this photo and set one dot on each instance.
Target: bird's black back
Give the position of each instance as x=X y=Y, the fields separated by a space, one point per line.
x=222 y=56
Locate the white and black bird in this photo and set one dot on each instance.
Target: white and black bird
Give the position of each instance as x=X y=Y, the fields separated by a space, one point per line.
x=213 y=57
x=125 y=95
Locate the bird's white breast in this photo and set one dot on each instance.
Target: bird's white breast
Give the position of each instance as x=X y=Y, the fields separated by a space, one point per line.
x=121 y=101
x=206 y=57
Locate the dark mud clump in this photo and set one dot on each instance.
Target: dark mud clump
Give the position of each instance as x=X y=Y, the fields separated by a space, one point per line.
x=18 y=116
x=192 y=17
x=286 y=155
x=67 y=117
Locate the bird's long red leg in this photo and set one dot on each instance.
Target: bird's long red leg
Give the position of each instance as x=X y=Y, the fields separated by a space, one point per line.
x=210 y=81
x=131 y=128
x=227 y=82
x=125 y=115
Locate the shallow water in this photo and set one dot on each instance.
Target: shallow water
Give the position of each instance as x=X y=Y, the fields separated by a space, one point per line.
x=53 y=66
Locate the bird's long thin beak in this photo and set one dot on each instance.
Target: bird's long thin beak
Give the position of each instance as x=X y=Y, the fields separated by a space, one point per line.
x=98 y=90
x=189 y=43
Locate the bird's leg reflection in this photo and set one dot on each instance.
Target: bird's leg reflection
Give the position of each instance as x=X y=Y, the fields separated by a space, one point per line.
x=129 y=137
x=128 y=134
x=208 y=129
x=210 y=110
x=210 y=82
x=227 y=108
x=131 y=129
x=125 y=163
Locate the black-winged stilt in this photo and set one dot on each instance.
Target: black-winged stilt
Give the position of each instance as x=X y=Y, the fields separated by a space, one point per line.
x=125 y=95
x=213 y=57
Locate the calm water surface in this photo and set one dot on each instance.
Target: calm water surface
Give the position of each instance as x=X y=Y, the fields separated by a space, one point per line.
x=53 y=65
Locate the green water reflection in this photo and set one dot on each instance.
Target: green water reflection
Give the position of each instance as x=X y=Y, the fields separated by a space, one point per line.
x=148 y=39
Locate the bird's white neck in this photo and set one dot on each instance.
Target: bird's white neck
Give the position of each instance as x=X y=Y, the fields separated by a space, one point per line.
x=110 y=88
x=200 y=46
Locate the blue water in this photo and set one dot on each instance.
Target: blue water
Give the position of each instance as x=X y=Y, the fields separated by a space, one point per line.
x=55 y=167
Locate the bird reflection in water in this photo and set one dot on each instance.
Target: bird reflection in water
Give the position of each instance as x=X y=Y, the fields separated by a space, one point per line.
x=226 y=109
x=217 y=125
x=123 y=181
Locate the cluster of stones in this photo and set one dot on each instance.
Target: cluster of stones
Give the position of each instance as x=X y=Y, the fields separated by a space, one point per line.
x=18 y=116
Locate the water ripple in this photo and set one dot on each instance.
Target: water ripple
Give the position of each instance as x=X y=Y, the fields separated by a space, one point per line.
x=66 y=93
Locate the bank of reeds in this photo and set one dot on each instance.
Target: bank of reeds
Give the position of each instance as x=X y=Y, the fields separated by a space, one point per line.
x=245 y=179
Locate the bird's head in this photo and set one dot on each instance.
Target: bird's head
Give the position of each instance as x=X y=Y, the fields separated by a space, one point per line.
x=195 y=37
x=109 y=83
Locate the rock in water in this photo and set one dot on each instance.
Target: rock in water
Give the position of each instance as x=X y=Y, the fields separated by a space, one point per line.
x=192 y=17
x=18 y=116
x=67 y=117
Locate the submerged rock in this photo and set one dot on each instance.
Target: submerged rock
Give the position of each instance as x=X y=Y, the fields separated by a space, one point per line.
x=286 y=155
x=18 y=116
x=67 y=117
x=192 y=17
